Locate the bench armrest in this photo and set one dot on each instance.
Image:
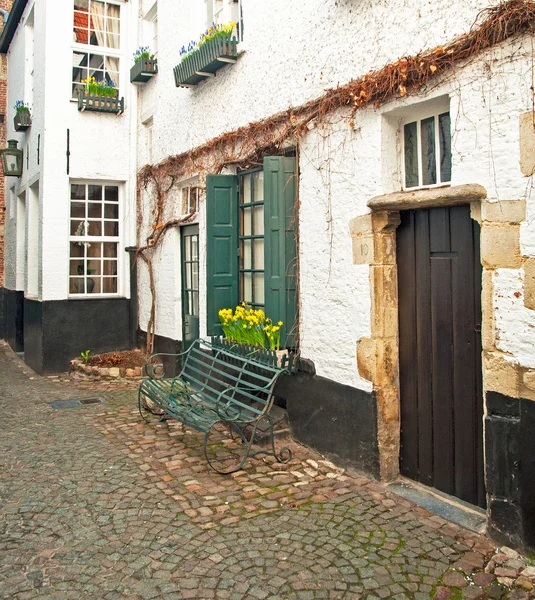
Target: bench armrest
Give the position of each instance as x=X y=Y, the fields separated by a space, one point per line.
x=228 y=412
x=157 y=371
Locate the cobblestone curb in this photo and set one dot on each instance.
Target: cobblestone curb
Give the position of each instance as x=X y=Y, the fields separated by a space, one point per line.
x=80 y=370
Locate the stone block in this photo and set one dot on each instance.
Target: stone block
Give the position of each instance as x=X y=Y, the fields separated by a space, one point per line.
x=504 y=211
x=487 y=311
x=527 y=143
x=529 y=283
x=114 y=372
x=383 y=281
x=361 y=225
x=363 y=249
x=501 y=375
x=384 y=249
x=366 y=358
x=500 y=246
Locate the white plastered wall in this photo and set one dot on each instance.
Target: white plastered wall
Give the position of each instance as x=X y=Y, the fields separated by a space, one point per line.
x=341 y=167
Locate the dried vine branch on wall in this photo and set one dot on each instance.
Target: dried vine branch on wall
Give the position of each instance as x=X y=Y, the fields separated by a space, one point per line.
x=248 y=144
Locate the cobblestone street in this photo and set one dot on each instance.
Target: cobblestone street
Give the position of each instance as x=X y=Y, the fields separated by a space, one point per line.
x=95 y=503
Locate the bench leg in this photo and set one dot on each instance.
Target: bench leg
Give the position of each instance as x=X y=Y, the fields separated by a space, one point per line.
x=225 y=462
x=226 y=453
x=284 y=455
x=148 y=409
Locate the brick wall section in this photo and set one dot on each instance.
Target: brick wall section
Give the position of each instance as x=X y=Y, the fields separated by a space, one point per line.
x=6 y=5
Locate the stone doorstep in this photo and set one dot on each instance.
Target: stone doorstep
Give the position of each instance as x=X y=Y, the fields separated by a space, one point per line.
x=80 y=370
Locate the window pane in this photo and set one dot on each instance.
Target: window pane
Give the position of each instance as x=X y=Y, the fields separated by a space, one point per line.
x=429 y=158
x=78 y=210
x=111 y=211
x=258 y=186
x=247 y=287
x=110 y=285
x=76 y=267
x=195 y=303
x=246 y=221
x=111 y=228
x=94 y=228
x=94 y=192
x=246 y=189
x=444 y=125
x=77 y=249
x=258 y=254
x=77 y=227
x=94 y=250
x=93 y=267
x=258 y=288
x=195 y=247
x=77 y=192
x=195 y=273
x=189 y=281
x=110 y=267
x=258 y=220
x=110 y=249
x=246 y=254
x=111 y=193
x=94 y=210
x=411 y=155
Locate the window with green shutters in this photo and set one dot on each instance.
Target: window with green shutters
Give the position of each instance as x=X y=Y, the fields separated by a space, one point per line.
x=251 y=244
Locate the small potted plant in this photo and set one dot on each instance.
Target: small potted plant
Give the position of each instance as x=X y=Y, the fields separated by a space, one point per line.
x=100 y=96
x=23 y=118
x=145 y=65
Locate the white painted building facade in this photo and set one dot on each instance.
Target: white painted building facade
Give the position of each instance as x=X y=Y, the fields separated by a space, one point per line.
x=347 y=274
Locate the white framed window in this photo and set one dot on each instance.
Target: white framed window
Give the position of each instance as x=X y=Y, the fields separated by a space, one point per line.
x=94 y=238
x=190 y=199
x=150 y=29
x=426 y=147
x=96 y=43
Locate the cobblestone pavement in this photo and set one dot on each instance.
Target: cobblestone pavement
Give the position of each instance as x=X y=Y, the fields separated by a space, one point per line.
x=95 y=503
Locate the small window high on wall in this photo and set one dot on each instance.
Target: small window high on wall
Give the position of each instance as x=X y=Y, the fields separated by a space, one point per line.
x=427 y=151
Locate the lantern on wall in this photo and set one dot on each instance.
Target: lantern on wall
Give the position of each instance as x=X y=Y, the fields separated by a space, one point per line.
x=12 y=159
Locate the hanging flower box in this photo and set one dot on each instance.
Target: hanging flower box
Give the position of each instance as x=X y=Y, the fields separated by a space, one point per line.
x=205 y=60
x=143 y=70
x=99 y=103
x=22 y=120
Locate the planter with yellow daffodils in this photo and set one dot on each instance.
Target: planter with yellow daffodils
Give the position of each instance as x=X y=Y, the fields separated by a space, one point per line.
x=248 y=331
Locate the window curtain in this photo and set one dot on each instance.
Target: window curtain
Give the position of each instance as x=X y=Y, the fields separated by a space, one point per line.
x=99 y=26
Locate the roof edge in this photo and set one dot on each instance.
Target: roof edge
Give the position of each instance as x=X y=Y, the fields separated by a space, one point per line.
x=12 y=23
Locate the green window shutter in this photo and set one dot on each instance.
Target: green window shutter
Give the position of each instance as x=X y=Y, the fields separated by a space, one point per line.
x=221 y=247
x=280 y=244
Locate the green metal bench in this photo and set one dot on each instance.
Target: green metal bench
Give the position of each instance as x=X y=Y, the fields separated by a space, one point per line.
x=224 y=391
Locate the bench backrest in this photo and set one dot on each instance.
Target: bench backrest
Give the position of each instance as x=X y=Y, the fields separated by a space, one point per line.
x=211 y=370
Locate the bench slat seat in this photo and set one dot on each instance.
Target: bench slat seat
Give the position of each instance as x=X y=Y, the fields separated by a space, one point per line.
x=215 y=385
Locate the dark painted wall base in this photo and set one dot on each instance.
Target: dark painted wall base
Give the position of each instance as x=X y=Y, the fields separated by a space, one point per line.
x=165 y=345
x=510 y=467
x=57 y=331
x=337 y=420
x=12 y=318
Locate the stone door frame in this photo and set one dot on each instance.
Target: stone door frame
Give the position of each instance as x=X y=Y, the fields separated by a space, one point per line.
x=374 y=243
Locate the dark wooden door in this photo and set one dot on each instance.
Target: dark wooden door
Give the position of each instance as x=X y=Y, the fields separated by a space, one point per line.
x=439 y=281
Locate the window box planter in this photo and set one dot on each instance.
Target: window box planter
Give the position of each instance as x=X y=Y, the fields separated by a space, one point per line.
x=143 y=70
x=205 y=61
x=22 y=120
x=284 y=359
x=106 y=104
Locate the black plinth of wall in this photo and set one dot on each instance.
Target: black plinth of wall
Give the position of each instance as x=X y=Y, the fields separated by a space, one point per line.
x=57 y=331
x=510 y=468
x=12 y=318
x=337 y=420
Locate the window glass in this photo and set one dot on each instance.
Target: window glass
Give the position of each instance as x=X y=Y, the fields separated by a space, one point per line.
x=429 y=158
x=94 y=231
x=411 y=155
x=427 y=151
x=445 y=146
